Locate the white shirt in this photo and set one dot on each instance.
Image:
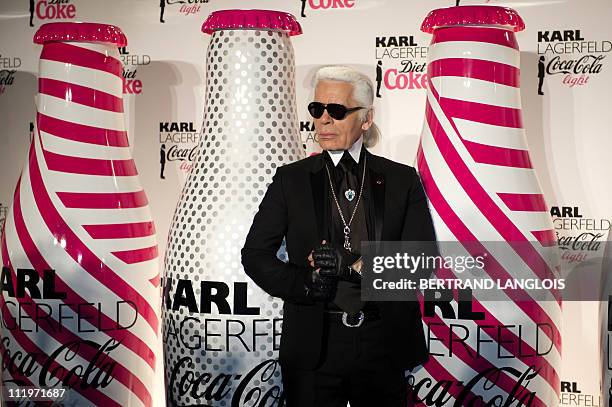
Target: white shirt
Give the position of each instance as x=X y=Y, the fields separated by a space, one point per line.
x=354 y=151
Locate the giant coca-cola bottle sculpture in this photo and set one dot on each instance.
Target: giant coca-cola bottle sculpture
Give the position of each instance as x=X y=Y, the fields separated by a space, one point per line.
x=221 y=332
x=474 y=162
x=80 y=279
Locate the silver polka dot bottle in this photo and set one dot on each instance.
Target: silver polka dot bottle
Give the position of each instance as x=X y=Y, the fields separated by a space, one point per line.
x=221 y=331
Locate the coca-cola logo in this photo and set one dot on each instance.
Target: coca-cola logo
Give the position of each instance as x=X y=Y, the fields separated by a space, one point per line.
x=175 y=153
x=583 y=241
x=439 y=394
x=585 y=64
x=400 y=64
x=48 y=371
x=253 y=388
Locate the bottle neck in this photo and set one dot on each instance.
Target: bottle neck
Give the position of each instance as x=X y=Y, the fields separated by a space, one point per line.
x=91 y=65
x=498 y=35
x=488 y=55
x=80 y=91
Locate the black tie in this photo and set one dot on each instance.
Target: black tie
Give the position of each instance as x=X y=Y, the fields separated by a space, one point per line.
x=348 y=190
x=348 y=295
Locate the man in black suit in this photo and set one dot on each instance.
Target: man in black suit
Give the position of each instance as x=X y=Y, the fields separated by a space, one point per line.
x=336 y=348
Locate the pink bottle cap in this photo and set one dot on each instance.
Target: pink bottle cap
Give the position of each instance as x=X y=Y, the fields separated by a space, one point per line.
x=80 y=32
x=473 y=15
x=251 y=19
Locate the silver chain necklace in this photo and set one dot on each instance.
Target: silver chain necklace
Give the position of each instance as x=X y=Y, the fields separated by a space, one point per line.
x=347 y=226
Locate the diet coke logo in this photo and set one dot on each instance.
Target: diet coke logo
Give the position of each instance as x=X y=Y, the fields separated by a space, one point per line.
x=45 y=10
x=325 y=5
x=131 y=63
x=400 y=64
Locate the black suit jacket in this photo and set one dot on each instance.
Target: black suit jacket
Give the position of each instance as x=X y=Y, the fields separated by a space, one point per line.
x=294 y=209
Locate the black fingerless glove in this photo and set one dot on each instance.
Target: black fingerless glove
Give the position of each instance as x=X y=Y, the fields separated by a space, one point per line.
x=335 y=262
x=320 y=288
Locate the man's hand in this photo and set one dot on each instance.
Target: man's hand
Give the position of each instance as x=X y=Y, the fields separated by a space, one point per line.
x=335 y=262
x=320 y=288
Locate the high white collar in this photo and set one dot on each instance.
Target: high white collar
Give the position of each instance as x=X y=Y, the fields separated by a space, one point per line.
x=354 y=151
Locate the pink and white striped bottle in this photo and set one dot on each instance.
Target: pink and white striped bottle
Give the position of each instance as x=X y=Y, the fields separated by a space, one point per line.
x=474 y=162
x=80 y=278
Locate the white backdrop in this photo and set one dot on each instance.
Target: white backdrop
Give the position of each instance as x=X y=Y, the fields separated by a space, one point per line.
x=568 y=128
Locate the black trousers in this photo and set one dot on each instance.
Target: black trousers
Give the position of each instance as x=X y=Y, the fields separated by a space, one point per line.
x=354 y=367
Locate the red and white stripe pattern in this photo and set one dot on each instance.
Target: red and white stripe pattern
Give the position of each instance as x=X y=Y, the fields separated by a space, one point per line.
x=79 y=209
x=475 y=167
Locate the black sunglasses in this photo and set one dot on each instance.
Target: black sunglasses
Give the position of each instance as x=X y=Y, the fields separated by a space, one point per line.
x=336 y=111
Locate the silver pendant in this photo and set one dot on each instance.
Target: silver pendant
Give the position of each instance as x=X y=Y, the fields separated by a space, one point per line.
x=347 y=238
x=349 y=194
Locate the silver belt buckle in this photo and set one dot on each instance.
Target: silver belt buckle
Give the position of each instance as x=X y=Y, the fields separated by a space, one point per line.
x=361 y=317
